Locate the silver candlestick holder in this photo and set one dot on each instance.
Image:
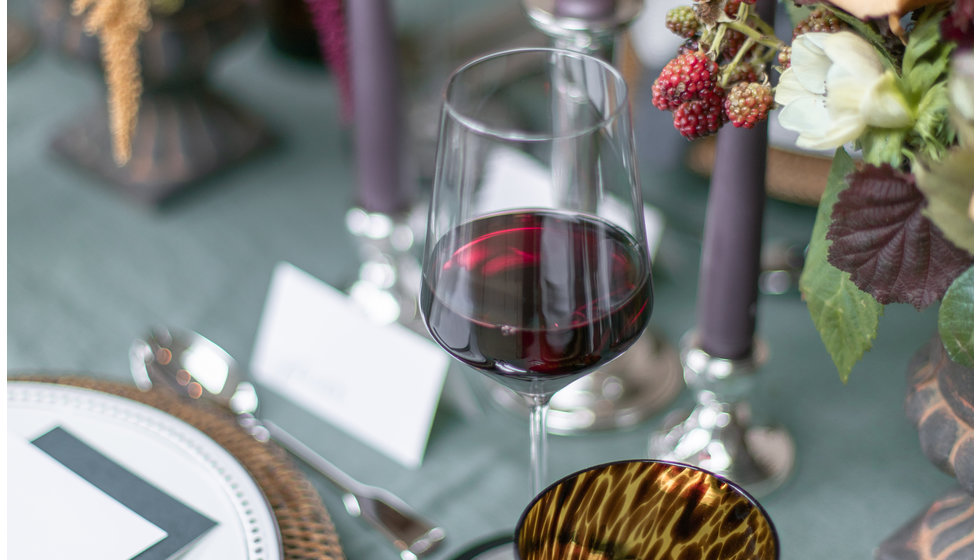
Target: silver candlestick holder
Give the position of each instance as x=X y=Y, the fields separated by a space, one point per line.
x=389 y=271
x=647 y=377
x=589 y=26
x=718 y=434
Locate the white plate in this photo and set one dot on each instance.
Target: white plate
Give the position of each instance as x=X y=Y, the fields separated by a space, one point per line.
x=164 y=451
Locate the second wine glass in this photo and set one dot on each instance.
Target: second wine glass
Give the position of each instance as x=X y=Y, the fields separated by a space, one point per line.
x=535 y=269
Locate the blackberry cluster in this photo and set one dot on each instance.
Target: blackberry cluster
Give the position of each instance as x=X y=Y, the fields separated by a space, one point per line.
x=748 y=103
x=716 y=74
x=682 y=21
x=783 y=56
x=702 y=116
x=744 y=72
x=820 y=20
x=687 y=77
x=688 y=87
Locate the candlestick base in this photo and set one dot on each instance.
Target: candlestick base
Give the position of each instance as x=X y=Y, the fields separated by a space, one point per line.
x=621 y=394
x=718 y=434
x=584 y=31
x=388 y=277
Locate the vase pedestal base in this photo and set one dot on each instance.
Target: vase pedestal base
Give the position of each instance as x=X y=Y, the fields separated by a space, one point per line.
x=182 y=136
x=943 y=530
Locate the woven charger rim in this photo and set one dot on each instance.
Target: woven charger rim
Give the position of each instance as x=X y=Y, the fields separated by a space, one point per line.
x=305 y=527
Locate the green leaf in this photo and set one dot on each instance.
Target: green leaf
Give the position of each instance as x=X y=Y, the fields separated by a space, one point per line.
x=948 y=188
x=881 y=146
x=923 y=38
x=921 y=75
x=845 y=317
x=796 y=12
x=956 y=319
x=932 y=133
x=926 y=58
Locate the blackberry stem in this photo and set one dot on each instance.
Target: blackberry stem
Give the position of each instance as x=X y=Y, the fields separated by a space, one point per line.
x=716 y=40
x=731 y=66
x=753 y=37
x=766 y=39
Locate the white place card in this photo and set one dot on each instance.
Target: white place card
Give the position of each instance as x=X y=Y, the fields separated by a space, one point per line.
x=379 y=382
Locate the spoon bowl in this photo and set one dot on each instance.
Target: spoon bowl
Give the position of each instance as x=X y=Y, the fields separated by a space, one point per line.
x=192 y=366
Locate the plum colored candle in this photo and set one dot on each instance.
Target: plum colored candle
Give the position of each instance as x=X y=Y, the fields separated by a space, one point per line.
x=383 y=184
x=728 y=285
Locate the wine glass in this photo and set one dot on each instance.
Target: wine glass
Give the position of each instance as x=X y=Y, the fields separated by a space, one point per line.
x=535 y=267
x=645 y=509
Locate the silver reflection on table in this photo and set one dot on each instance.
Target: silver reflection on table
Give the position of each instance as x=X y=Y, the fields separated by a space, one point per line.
x=718 y=434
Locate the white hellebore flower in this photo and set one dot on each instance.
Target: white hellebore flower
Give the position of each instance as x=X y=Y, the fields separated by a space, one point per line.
x=835 y=88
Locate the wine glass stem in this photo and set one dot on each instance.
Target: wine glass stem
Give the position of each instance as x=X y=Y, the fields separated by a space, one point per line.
x=539 y=441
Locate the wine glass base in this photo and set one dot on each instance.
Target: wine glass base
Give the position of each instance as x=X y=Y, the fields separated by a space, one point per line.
x=757 y=458
x=623 y=393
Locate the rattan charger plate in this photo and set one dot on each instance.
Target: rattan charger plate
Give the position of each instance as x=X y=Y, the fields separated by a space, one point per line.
x=305 y=527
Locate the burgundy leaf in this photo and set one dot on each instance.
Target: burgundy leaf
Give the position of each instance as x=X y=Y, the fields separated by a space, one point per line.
x=879 y=236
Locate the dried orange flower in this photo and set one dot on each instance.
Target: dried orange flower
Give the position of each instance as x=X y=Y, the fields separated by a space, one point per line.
x=118 y=23
x=892 y=9
x=865 y=9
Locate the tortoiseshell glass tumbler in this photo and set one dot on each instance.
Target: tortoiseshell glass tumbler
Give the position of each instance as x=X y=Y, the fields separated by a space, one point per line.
x=645 y=510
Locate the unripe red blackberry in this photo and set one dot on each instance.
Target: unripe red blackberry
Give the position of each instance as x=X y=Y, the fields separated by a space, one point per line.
x=820 y=20
x=689 y=46
x=702 y=116
x=744 y=72
x=748 y=103
x=731 y=6
x=783 y=56
x=682 y=21
x=660 y=100
x=731 y=42
x=686 y=77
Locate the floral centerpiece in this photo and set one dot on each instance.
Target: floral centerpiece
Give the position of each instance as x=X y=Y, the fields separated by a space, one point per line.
x=888 y=84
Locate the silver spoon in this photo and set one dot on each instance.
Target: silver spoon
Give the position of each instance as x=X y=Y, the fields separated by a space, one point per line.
x=197 y=368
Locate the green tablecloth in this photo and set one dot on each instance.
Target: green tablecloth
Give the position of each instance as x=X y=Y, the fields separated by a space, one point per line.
x=88 y=271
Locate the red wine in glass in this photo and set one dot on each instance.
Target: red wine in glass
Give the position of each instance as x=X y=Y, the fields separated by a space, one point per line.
x=536 y=299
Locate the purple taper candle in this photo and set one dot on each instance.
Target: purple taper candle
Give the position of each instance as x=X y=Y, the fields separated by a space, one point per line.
x=585 y=9
x=728 y=285
x=383 y=182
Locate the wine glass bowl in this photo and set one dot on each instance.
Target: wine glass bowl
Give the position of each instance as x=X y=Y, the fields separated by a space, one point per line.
x=645 y=509
x=535 y=270
x=518 y=333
